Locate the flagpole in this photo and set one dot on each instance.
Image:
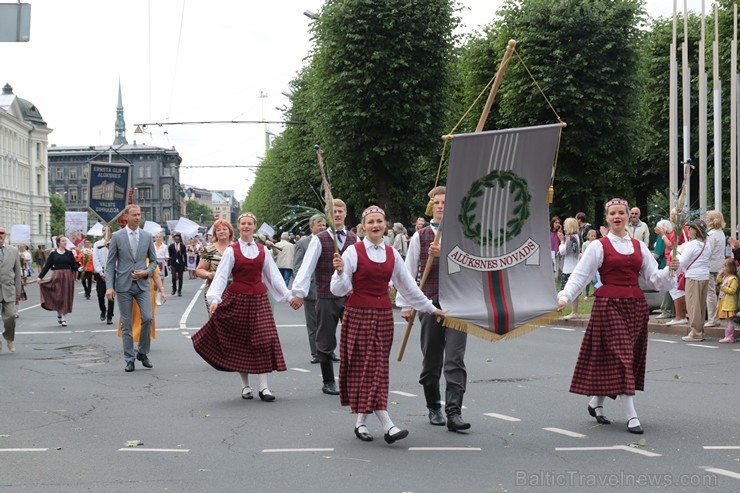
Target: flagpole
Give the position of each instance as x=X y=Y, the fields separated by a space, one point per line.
x=686 y=95
x=673 y=119
x=733 y=125
x=717 y=86
x=479 y=128
x=702 y=117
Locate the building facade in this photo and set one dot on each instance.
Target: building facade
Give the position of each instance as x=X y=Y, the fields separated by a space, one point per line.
x=235 y=205
x=24 y=193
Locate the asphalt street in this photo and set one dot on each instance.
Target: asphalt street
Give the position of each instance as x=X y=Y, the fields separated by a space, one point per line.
x=67 y=411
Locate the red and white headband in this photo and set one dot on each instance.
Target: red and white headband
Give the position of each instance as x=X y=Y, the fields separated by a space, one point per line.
x=373 y=209
x=616 y=201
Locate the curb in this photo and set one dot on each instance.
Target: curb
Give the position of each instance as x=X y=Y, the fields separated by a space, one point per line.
x=654 y=325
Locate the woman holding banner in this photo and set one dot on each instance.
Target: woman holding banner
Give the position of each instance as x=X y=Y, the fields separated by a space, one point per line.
x=612 y=358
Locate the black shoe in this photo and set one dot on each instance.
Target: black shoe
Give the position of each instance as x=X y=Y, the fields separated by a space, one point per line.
x=109 y=321
x=334 y=357
x=174 y=292
x=599 y=419
x=266 y=395
x=396 y=436
x=144 y=360
x=330 y=388
x=363 y=435
x=102 y=317
x=456 y=423
x=179 y=293
x=314 y=360
x=436 y=417
x=130 y=366
x=637 y=430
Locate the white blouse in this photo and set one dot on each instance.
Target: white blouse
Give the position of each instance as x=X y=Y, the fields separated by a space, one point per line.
x=270 y=274
x=341 y=285
x=593 y=258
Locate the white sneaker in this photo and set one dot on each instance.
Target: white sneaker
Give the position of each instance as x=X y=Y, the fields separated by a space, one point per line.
x=11 y=346
x=663 y=316
x=711 y=324
x=683 y=321
x=569 y=316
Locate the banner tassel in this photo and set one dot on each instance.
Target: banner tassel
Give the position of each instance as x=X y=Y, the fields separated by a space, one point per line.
x=478 y=331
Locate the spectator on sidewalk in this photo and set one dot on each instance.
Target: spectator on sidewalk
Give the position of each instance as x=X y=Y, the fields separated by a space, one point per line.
x=716 y=240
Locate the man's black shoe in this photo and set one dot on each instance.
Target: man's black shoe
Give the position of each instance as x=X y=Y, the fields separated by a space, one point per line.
x=102 y=317
x=314 y=360
x=109 y=321
x=144 y=360
x=334 y=356
x=330 y=388
x=179 y=293
x=130 y=366
x=456 y=423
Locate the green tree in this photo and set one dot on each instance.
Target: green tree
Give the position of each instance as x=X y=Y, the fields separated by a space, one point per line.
x=58 y=208
x=200 y=213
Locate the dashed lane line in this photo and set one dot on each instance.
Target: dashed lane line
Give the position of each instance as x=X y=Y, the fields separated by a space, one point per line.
x=702 y=345
x=501 y=416
x=165 y=450
x=664 y=340
x=563 y=328
x=721 y=447
x=567 y=433
x=91 y=331
x=624 y=448
x=445 y=449
x=23 y=449
x=723 y=472
x=404 y=394
x=286 y=450
x=301 y=370
x=29 y=307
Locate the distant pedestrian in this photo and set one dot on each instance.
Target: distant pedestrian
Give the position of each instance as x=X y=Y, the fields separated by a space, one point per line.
x=717 y=241
x=57 y=294
x=177 y=261
x=284 y=257
x=39 y=256
x=100 y=258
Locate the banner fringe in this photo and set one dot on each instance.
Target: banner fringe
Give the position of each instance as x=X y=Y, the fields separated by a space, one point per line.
x=478 y=331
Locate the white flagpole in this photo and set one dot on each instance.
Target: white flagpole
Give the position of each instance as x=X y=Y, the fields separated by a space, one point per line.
x=733 y=125
x=673 y=117
x=686 y=99
x=717 y=86
x=702 y=117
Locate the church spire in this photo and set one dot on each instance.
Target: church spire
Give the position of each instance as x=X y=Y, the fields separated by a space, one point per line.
x=120 y=124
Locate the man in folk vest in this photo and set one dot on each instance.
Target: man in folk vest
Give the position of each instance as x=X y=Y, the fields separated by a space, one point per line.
x=318 y=261
x=441 y=347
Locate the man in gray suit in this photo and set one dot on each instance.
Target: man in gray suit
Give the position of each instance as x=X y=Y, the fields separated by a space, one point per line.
x=10 y=288
x=317 y=224
x=127 y=275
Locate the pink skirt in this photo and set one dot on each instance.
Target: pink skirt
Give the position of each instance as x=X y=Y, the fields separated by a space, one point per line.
x=58 y=294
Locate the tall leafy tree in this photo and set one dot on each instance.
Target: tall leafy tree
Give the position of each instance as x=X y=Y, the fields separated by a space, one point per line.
x=58 y=208
x=200 y=213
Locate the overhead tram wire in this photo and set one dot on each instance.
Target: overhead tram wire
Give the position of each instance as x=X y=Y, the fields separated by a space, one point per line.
x=140 y=127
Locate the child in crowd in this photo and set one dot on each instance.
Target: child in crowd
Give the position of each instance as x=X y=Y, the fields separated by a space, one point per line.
x=591 y=236
x=727 y=305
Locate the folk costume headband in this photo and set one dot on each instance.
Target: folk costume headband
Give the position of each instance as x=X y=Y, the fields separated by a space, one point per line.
x=246 y=214
x=373 y=209
x=616 y=201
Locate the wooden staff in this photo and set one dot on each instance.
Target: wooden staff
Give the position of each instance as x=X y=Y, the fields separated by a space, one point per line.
x=481 y=122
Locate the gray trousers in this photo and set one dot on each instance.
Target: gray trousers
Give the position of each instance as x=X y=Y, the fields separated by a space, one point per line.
x=442 y=348
x=9 y=311
x=125 y=299
x=328 y=314
x=309 y=310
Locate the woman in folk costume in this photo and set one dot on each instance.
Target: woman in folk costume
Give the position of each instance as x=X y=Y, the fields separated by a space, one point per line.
x=241 y=335
x=223 y=233
x=363 y=271
x=612 y=358
x=58 y=293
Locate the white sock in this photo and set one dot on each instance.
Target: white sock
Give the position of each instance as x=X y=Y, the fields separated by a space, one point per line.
x=361 y=421
x=245 y=379
x=262 y=379
x=385 y=420
x=629 y=409
x=597 y=402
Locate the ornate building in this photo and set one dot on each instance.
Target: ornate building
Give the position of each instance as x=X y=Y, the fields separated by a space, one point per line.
x=24 y=194
x=155 y=173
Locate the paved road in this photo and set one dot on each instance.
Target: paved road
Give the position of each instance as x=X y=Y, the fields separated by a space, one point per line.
x=67 y=408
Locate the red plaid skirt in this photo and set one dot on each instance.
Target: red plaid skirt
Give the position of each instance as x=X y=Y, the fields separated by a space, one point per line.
x=241 y=336
x=365 y=348
x=614 y=349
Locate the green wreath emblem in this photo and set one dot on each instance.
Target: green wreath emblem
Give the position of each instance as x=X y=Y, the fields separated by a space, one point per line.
x=503 y=179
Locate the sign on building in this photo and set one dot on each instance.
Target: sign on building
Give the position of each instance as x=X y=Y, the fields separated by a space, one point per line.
x=108 y=189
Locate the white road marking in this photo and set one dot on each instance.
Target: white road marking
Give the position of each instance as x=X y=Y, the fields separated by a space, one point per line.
x=405 y=394
x=279 y=450
x=166 y=450
x=723 y=472
x=302 y=370
x=502 y=416
x=625 y=448
x=96 y=331
x=23 y=449
x=186 y=314
x=702 y=345
x=664 y=340
x=721 y=447
x=47 y=333
x=567 y=433
x=563 y=328
x=444 y=449
x=736 y=349
x=28 y=308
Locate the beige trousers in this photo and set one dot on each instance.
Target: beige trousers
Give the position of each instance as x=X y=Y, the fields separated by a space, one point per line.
x=696 y=306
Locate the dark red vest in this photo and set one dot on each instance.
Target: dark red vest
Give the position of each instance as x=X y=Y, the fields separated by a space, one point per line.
x=431 y=287
x=620 y=273
x=370 y=280
x=325 y=264
x=247 y=272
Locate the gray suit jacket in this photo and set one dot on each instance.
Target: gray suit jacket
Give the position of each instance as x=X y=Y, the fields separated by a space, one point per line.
x=10 y=274
x=300 y=251
x=122 y=261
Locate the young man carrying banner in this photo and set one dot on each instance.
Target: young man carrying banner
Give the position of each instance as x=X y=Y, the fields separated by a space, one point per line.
x=440 y=346
x=319 y=258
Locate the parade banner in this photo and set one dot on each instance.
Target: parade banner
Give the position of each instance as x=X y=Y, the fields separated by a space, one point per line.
x=75 y=226
x=108 y=189
x=496 y=276
x=20 y=233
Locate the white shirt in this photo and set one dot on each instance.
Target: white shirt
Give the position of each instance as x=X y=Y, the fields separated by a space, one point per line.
x=716 y=240
x=341 y=285
x=412 y=264
x=699 y=270
x=302 y=281
x=570 y=257
x=100 y=256
x=270 y=274
x=133 y=238
x=162 y=252
x=593 y=258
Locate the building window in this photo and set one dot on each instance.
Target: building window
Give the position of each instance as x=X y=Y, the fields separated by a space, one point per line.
x=73 y=173
x=166 y=214
x=84 y=194
x=166 y=192
x=60 y=173
x=85 y=170
x=145 y=194
x=141 y=171
x=38 y=151
x=149 y=171
x=73 y=195
x=38 y=185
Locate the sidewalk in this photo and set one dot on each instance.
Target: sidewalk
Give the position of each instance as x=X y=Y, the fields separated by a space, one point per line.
x=655 y=325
